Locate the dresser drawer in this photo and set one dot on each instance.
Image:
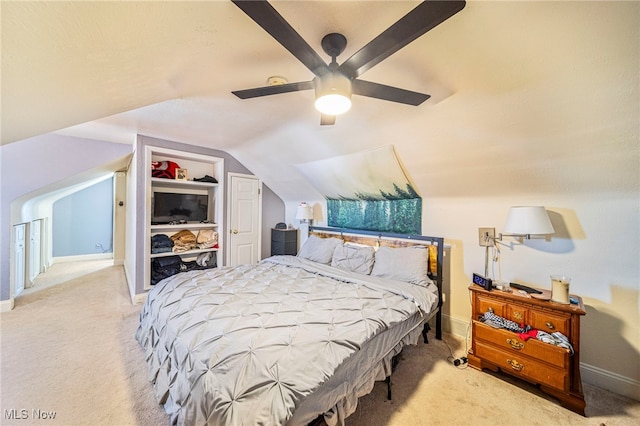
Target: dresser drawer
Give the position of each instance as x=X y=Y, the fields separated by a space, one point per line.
x=517 y=313
x=486 y=304
x=550 y=322
x=524 y=367
x=511 y=312
x=284 y=235
x=512 y=343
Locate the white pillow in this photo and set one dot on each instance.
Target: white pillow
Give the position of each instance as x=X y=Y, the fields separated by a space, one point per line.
x=408 y=264
x=353 y=258
x=319 y=249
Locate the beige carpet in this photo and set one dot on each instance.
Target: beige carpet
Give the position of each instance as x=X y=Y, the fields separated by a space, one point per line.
x=69 y=349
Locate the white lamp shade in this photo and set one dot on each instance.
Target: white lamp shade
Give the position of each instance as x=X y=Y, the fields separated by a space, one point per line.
x=304 y=212
x=528 y=220
x=333 y=94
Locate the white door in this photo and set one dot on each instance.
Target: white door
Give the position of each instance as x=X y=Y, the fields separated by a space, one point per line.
x=35 y=262
x=245 y=213
x=19 y=258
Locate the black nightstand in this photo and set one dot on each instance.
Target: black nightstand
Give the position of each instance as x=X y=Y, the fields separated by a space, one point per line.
x=284 y=241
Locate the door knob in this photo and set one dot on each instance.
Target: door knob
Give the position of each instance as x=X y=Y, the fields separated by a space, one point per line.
x=235 y=231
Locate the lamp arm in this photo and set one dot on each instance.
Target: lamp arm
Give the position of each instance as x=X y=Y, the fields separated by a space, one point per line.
x=525 y=236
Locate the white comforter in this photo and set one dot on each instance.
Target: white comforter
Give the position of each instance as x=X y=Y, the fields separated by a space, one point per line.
x=246 y=345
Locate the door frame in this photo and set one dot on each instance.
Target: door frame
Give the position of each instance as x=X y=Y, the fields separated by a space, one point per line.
x=18 y=279
x=229 y=186
x=34 y=252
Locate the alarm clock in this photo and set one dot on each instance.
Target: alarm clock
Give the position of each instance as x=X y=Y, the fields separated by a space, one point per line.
x=483 y=282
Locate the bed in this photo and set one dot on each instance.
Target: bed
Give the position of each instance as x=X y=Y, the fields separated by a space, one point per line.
x=291 y=340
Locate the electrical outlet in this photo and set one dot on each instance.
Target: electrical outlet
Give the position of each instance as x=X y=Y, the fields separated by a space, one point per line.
x=486 y=237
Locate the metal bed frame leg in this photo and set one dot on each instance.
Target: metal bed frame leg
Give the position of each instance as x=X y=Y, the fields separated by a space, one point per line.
x=425 y=330
x=394 y=363
x=388 y=380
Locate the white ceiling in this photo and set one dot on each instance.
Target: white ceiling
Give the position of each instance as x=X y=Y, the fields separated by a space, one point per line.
x=527 y=96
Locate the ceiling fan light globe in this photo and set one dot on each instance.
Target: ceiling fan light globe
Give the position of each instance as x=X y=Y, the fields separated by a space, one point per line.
x=333 y=104
x=333 y=93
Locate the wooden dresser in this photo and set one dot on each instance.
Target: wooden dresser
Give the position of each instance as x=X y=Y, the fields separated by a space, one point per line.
x=552 y=367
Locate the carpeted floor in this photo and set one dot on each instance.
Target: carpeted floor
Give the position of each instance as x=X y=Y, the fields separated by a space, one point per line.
x=68 y=350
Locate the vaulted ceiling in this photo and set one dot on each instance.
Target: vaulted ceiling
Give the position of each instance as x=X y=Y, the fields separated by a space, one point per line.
x=526 y=96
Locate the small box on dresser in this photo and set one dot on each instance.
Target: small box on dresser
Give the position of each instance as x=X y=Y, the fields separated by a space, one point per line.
x=552 y=367
x=284 y=241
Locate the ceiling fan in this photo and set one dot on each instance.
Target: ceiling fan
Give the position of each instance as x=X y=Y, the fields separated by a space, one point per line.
x=335 y=83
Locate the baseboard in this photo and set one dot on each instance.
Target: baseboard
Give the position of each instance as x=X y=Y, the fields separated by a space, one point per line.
x=456 y=327
x=136 y=299
x=609 y=380
x=96 y=256
x=130 y=284
x=139 y=298
x=6 y=305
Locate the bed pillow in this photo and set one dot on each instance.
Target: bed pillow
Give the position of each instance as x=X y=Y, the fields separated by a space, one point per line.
x=319 y=249
x=408 y=264
x=353 y=258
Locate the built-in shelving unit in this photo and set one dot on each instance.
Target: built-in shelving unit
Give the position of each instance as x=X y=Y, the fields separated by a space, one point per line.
x=197 y=166
x=168 y=183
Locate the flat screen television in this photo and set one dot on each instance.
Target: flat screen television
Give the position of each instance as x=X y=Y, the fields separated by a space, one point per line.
x=170 y=206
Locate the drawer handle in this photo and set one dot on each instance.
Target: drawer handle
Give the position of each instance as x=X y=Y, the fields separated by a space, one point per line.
x=515 y=344
x=490 y=309
x=515 y=365
x=550 y=326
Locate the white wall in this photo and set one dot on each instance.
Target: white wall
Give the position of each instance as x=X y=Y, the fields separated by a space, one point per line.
x=82 y=222
x=119 y=219
x=131 y=260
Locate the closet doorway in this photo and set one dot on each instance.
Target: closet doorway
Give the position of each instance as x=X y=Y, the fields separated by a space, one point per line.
x=244 y=212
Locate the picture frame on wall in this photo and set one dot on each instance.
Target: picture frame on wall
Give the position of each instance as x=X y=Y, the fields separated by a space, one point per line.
x=181 y=174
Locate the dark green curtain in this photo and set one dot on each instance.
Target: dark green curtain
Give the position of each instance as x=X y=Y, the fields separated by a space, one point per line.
x=399 y=212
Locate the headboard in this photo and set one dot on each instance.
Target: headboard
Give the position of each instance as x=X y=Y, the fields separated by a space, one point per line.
x=376 y=238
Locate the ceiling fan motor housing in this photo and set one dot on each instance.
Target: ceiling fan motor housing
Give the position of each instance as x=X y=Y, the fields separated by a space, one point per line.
x=333 y=44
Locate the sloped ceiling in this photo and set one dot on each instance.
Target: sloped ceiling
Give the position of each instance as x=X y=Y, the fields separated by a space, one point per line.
x=527 y=96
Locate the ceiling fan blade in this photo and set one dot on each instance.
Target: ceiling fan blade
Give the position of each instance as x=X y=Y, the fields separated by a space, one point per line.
x=272 y=22
x=273 y=90
x=327 y=120
x=387 y=93
x=424 y=17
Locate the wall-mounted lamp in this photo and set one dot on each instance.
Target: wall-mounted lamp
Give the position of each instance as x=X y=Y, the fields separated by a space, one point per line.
x=525 y=221
x=522 y=222
x=304 y=213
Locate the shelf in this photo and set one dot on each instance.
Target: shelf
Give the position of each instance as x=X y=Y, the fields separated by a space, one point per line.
x=182 y=253
x=174 y=183
x=181 y=226
x=197 y=165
